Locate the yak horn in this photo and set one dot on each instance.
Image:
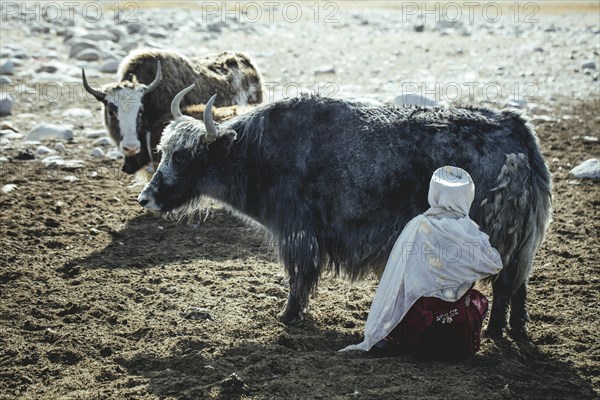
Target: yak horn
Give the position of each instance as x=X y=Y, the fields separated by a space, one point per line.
x=156 y=80
x=177 y=99
x=211 y=129
x=96 y=93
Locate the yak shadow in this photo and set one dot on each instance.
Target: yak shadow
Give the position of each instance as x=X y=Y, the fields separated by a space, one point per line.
x=149 y=241
x=303 y=363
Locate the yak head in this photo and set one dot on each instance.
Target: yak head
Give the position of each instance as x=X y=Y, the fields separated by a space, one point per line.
x=123 y=110
x=193 y=154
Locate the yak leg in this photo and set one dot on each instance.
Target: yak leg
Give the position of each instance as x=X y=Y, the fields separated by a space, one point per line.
x=301 y=258
x=518 y=313
x=500 y=302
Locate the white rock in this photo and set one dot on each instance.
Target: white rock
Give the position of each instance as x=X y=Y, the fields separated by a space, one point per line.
x=109 y=66
x=9 y=188
x=103 y=141
x=43 y=150
x=45 y=131
x=590 y=139
x=7 y=67
x=60 y=147
x=7 y=101
x=88 y=55
x=5 y=80
x=588 y=169
x=77 y=113
x=114 y=154
x=57 y=161
x=4 y=142
x=328 y=69
x=8 y=134
x=3 y=159
x=415 y=100
x=95 y=134
x=99 y=36
x=97 y=152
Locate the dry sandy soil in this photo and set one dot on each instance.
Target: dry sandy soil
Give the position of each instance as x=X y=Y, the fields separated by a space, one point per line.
x=92 y=291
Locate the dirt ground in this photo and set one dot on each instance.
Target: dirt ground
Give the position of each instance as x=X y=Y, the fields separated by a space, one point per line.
x=93 y=289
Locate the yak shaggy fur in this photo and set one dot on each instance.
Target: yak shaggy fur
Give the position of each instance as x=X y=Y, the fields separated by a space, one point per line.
x=336 y=181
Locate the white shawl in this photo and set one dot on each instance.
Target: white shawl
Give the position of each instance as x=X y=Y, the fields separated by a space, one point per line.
x=440 y=253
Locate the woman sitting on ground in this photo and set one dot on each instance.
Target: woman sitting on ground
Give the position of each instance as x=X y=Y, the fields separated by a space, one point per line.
x=425 y=303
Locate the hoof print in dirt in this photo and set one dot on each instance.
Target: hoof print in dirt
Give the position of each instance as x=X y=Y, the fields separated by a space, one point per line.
x=196 y=313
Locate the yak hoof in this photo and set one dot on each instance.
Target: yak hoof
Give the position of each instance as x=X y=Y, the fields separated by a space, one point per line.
x=291 y=317
x=494 y=333
x=518 y=333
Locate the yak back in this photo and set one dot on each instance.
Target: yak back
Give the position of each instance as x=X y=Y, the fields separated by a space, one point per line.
x=352 y=175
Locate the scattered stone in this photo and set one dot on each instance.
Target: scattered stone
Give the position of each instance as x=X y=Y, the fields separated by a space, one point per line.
x=95 y=134
x=543 y=117
x=58 y=162
x=97 y=152
x=9 y=188
x=42 y=151
x=25 y=155
x=136 y=28
x=103 y=141
x=77 y=113
x=589 y=65
x=5 y=80
x=46 y=130
x=516 y=103
x=415 y=100
x=100 y=36
x=3 y=159
x=588 y=169
x=7 y=101
x=4 y=142
x=109 y=66
x=590 y=139
x=88 y=55
x=328 y=69
x=114 y=154
x=7 y=67
x=78 y=47
x=196 y=313
x=419 y=28
x=60 y=147
x=6 y=126
x=538 y=49
x=50 y=69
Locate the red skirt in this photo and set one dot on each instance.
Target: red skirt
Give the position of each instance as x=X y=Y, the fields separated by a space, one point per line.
x=437 y=329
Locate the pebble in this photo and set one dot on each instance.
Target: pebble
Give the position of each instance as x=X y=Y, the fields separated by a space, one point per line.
x=97 y=152
x=77 y=113
x=88 y=55
x=95 y=134
x=588 y=169
x=7 y=101
x=589 y=65
x=114 y=154
x=60 y=147
x=5 y=80
x=415 y=100
x=328 y=69
x=9 y=188
x=42 y=151
x=7 y=67
x=103 y=141
x=590 y=139
x=196 y=313
x=46 y=130
x=78 y=47
x=135 y=28
x=25 y=155
x=58 y=161
x=109 y=66
x=100 y=36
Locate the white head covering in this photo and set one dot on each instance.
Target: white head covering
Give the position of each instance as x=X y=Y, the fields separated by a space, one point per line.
x=440 y=253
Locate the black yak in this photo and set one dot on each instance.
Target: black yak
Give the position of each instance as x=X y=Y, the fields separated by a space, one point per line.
x=336 y=181
x=147 y=81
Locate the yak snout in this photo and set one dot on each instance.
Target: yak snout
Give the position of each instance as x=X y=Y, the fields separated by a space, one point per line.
x=146 y=199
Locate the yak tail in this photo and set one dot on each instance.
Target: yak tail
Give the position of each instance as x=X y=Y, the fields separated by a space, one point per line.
x=518 y=210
